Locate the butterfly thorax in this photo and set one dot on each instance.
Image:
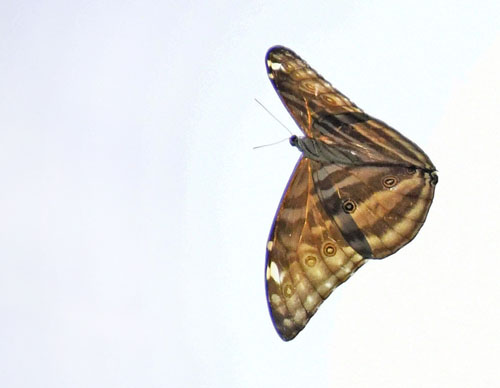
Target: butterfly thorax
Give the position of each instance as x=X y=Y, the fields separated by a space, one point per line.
x=322 y=152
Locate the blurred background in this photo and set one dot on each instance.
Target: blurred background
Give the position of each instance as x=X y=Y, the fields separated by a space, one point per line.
x=134 y=212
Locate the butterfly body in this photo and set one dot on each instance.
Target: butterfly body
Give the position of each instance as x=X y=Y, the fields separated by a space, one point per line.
x=361 y=190
x=323 y=152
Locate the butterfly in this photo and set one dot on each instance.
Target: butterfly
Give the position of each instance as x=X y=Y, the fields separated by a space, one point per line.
x=359 y=191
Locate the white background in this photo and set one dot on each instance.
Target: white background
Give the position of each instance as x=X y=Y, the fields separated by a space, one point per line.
x=134 y=212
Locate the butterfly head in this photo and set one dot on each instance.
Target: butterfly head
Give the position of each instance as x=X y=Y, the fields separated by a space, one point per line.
x=311 y=148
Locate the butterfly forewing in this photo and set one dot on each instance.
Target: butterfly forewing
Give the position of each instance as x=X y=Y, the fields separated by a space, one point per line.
x=364 y=194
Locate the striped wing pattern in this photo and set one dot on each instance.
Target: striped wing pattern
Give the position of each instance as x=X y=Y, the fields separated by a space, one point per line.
x=337 y=213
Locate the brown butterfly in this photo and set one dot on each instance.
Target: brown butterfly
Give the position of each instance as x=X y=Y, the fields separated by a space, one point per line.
x=360 y=190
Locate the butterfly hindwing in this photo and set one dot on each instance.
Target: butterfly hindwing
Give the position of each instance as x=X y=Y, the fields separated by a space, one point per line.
x=377 y=209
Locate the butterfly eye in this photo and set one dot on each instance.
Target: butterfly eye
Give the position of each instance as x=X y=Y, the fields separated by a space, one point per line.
x=434 y=179
x=411 y=170
x=389 y=181
x=310 y=261
x=329 y=249
x=349 y=206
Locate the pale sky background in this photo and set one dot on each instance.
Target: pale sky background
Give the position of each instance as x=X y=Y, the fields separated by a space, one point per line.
x=134 y=212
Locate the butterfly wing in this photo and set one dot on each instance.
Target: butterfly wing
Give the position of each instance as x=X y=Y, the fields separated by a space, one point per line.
x=302 y=90
x=378 y=209
x=324 y=113
x=307 y=255
x=333 y=216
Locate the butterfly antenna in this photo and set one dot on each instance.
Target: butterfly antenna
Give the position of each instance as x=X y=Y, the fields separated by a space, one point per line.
x=267 y=145
x=274 y=117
